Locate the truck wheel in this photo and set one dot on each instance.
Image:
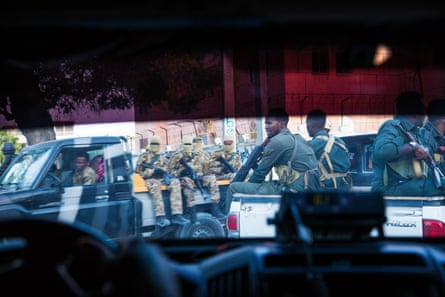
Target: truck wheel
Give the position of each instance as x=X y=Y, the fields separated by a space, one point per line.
x=208 y=227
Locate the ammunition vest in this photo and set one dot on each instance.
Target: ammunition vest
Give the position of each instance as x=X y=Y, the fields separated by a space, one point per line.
x=406 y=167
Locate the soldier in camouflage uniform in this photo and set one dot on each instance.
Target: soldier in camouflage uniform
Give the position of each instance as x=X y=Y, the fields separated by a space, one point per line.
x=175 y=168
x=153 y=167
x=433 y=131
x=198 y=145
x=233 y=158
x=198 y=150
x=198 y=160
x=83 y=174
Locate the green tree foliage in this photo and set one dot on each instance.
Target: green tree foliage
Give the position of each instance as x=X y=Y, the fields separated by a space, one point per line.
x=177 y=77
x=117 y=80
x=8 y=137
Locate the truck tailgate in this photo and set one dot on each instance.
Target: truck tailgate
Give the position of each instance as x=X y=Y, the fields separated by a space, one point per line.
x=254 y=210
x=406 y=214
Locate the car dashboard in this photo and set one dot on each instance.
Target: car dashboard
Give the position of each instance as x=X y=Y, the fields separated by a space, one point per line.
x=305 y=258
x=326 y=244
x=388 y=268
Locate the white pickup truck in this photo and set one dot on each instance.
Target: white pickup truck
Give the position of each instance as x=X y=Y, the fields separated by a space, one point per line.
x=407 y=216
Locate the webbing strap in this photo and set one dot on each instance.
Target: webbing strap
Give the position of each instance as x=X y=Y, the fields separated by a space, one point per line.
x=325 y=174
x=289 y=163
x=327 y=150
x=325 y=156
x=156 y=157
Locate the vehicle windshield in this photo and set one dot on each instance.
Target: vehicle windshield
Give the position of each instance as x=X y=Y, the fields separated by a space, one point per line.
x=201 y=108
x=25 y=169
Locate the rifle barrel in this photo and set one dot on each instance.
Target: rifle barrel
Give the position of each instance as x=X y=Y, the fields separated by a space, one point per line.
x=252 y=162
x=192 y=174
x=436 y=172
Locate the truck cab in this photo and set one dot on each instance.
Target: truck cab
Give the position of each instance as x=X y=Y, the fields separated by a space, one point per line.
x=39 y=183
x=360 y=153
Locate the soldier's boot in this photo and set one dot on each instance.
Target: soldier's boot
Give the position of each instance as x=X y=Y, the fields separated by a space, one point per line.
x=179 y=219
x=162 y=221
x=216 y=211
x=192 y=212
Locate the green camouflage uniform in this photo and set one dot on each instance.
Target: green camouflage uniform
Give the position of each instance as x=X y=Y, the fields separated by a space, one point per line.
x=154 y=184
x=199 y=162
x=85 y=177
x=218 y=168
x=333 y=159
x=395 y=174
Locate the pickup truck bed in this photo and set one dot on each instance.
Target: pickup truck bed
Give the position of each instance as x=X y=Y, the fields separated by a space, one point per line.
x=405 y=216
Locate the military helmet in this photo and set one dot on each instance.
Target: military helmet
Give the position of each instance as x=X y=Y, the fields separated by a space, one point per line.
x=155 y=139
x=197 y=139
x=229 y=137
x=155 y=144
x=8 y=148
x=198 y=143
x=187 y=142
x=229 y=143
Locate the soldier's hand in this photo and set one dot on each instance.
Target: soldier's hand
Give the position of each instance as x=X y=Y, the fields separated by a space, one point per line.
x=421 y=153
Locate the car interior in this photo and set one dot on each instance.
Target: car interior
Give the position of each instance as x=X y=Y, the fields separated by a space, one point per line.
x=326 y=244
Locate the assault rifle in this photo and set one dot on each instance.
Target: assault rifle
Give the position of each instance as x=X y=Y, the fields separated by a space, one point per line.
x=442 y=144
x=191 y=173
x=159 y=172
x=437 y=174
x=251 y=162
x=227 y=165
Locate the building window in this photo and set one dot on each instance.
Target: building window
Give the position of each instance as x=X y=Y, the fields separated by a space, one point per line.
x=342 y=63
x=320 y=62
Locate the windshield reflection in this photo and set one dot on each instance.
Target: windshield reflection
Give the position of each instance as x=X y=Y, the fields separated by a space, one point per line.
x=25 y=169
